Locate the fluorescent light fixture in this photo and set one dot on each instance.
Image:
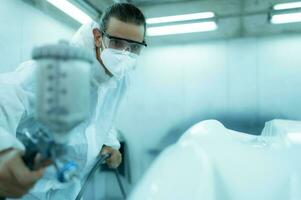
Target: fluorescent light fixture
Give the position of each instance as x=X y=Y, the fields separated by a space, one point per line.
x=177 y=18
x=181 y=28
x=286 y=18
x=284 y=6
x=71 y=10
x=295 y=137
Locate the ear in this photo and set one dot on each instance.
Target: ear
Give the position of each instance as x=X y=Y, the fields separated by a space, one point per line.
x=97 y=37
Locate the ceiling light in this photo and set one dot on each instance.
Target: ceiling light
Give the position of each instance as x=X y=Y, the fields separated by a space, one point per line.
x=177 y=18
x=286 y=18
x=71 y=10
x=295 y=137
x=182 y=28
x=284 y=6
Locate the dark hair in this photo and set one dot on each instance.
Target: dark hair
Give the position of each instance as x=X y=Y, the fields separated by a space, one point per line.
x=124 y=12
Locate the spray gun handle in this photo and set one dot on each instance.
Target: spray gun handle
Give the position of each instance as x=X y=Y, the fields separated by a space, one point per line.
x=29 y=157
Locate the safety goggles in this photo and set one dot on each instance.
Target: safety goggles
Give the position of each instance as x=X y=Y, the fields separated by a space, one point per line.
x=123 y=44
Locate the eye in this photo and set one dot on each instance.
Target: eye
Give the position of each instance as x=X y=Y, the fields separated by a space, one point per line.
x=116 y=44
x=135 y=48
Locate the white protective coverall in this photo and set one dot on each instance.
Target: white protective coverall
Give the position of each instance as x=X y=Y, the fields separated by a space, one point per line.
x=212 y=162
x=17 y=91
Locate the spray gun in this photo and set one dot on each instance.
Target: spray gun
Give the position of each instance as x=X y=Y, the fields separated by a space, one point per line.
x=62 y=102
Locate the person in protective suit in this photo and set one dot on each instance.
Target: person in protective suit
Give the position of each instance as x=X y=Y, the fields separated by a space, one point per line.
x=116 y=42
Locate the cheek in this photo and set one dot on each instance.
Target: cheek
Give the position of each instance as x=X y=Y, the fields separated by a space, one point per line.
x=140 y=37
x=142 y=33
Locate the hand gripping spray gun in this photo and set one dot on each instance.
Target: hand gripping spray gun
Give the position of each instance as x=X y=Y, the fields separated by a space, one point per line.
x=62 y=102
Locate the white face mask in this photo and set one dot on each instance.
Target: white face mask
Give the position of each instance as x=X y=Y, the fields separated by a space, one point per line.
x=118 y=62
